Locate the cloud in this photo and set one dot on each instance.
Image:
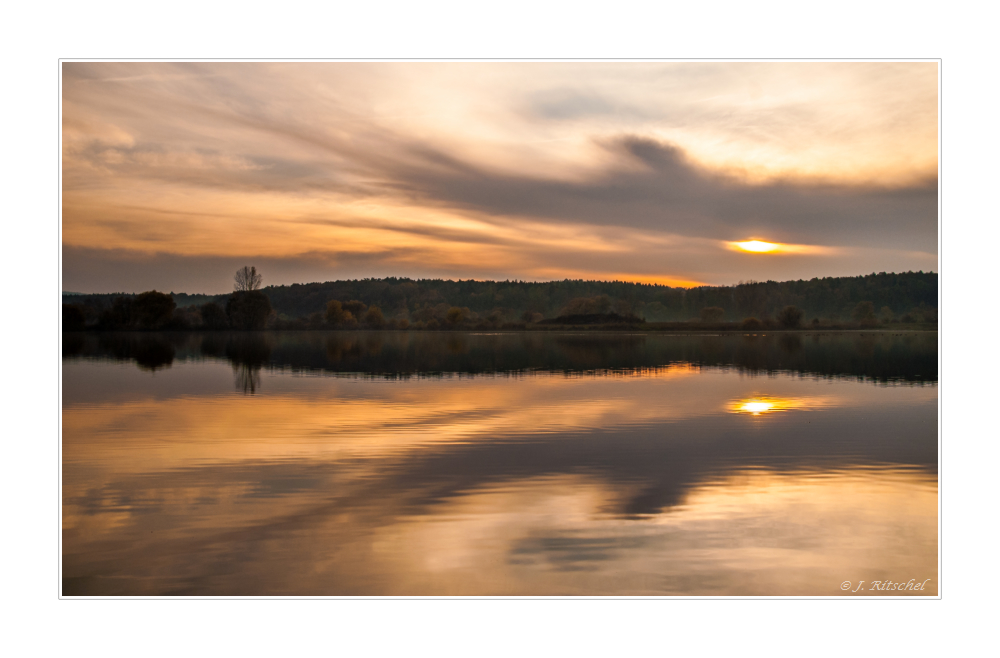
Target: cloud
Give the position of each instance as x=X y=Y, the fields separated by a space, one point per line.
x=671 y=194
x=473 y=169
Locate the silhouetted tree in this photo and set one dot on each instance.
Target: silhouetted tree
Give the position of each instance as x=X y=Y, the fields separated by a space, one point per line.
x=790 y=317
x=752 y=324
x=886 y=315
x=213 y=317
x=248 y=310
x=152 y=310
x=72 y=318
x=247 y=279
x=119 y=315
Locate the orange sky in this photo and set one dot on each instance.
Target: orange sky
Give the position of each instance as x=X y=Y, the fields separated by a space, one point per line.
x=174 y=175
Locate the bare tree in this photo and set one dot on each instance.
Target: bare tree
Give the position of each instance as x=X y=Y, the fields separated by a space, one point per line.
x=247 y=279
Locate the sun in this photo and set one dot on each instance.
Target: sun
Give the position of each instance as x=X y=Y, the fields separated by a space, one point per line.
x=758 y=246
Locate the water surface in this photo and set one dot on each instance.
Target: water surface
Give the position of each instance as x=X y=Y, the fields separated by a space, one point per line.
x=380 y=463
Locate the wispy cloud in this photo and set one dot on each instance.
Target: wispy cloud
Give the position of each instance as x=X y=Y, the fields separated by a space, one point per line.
x=475 y=169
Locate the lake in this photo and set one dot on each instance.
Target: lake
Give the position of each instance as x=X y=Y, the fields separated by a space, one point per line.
x=499 y=464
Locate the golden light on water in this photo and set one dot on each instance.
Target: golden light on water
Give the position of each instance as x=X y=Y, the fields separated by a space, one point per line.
x=764 y=405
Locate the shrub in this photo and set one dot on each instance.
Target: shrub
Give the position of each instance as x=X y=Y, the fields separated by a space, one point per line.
x=864 y=314
x=790 y=317
x=712 y=314
x=752 y=324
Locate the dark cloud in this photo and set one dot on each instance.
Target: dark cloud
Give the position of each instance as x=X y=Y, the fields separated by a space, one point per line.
x=671 y=194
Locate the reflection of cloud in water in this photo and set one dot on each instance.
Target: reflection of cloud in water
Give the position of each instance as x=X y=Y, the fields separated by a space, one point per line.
x=752 y=532
x=639 y=483
x=749 y=532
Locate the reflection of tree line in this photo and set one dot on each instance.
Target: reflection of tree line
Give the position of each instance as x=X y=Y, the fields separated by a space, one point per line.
x=877 y=356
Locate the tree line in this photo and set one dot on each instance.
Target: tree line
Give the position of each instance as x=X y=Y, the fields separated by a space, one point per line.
x=400 y=303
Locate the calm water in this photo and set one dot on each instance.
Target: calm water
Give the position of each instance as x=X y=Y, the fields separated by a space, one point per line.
x=498 y=464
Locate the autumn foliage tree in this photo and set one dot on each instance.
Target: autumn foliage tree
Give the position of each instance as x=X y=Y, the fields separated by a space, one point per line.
x=374 y=317
x=334 y=312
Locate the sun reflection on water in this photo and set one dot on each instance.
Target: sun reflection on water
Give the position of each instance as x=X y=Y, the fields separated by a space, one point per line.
x=764 y=405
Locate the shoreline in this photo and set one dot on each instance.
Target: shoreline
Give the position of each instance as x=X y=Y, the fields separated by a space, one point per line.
x=633 y=329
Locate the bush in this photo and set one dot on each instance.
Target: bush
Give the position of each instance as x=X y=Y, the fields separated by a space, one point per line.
x=790 y=317
x=864 y=314
x=712 y=314
x=752 y=324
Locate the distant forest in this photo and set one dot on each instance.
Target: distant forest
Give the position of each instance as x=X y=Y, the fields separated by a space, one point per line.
x=909 y=297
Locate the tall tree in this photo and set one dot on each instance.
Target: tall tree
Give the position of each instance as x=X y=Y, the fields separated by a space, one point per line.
x=247 y=279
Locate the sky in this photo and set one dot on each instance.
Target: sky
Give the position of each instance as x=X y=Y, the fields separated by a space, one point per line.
x=176 y=174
